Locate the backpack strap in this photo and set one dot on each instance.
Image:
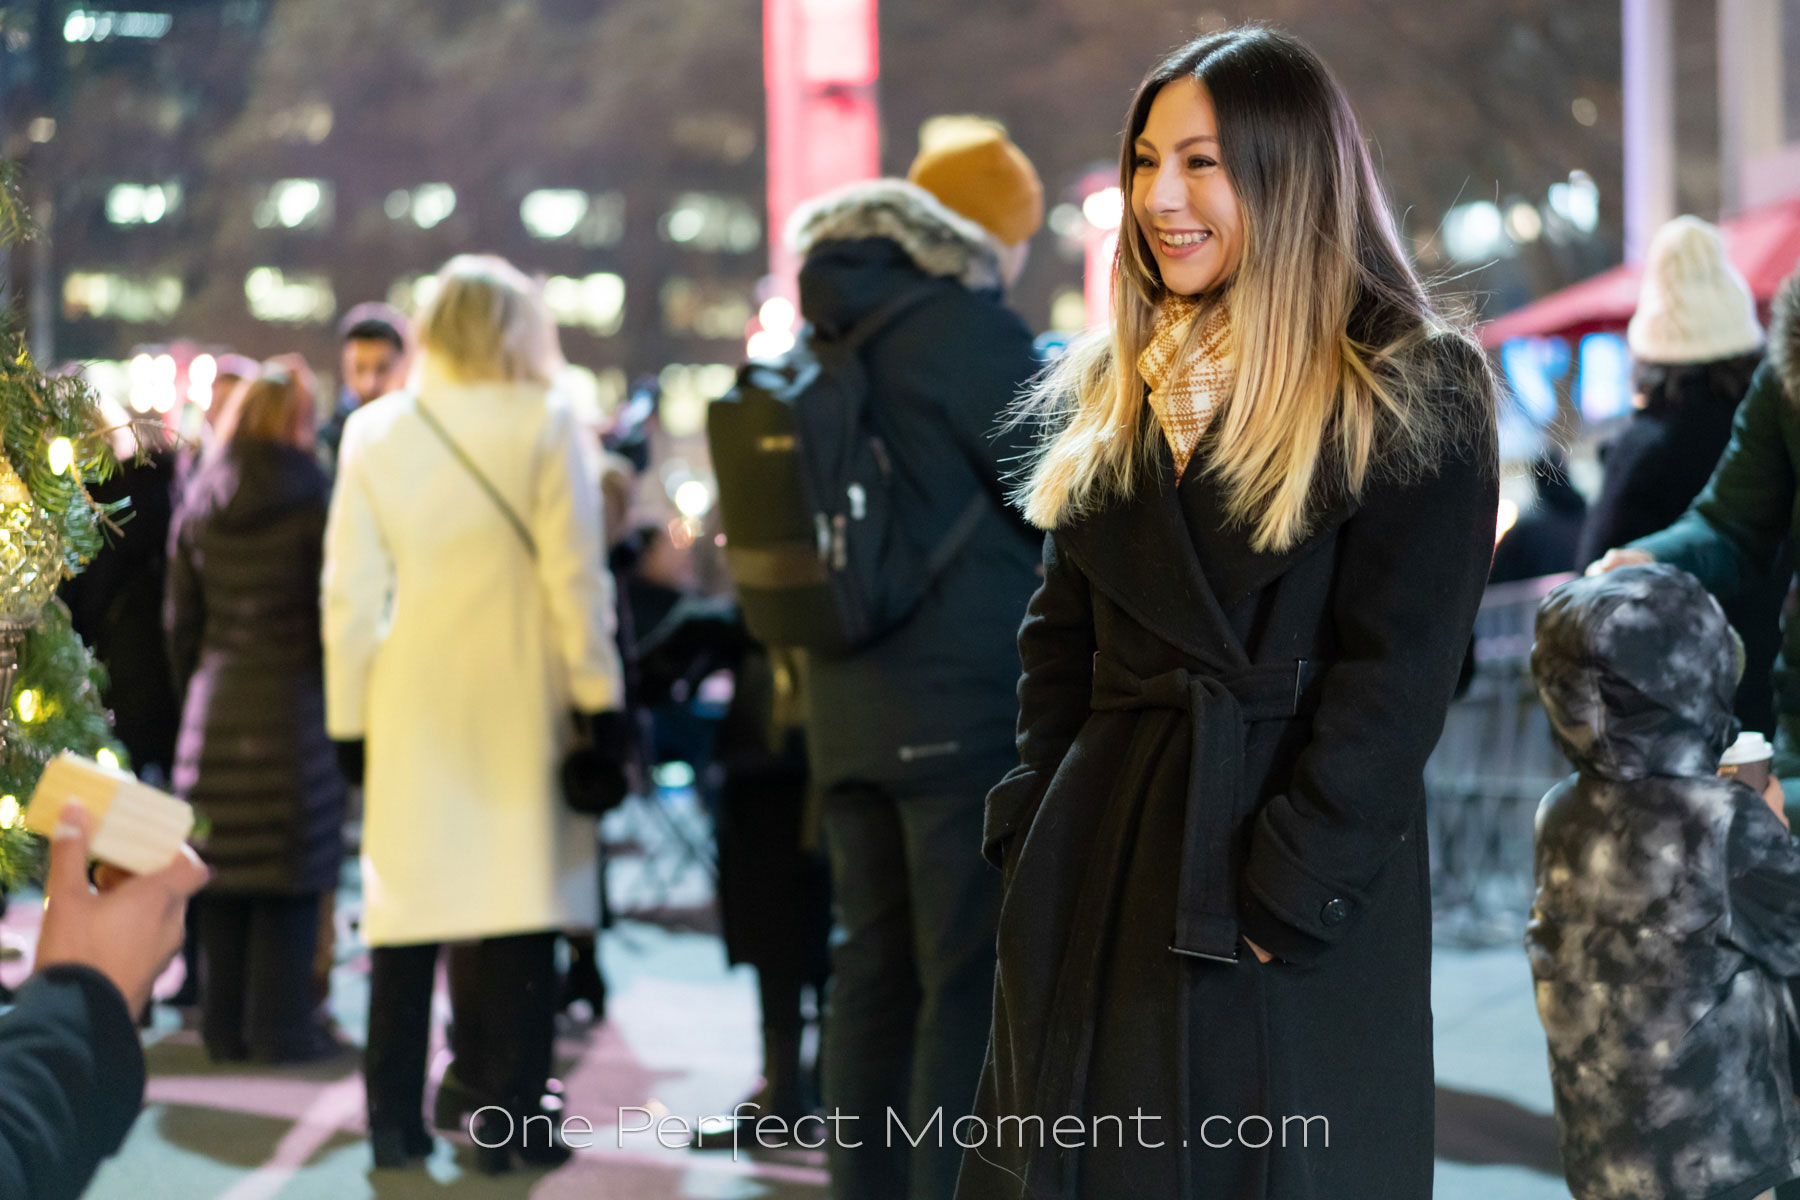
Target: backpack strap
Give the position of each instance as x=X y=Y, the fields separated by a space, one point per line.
x=884 y=315
x=482 y=481
x=963 y=528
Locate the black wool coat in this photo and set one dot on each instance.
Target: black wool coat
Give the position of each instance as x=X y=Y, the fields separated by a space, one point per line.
x=1216 y=744
x=242 y=617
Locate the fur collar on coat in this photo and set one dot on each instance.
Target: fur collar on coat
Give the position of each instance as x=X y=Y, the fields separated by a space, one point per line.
x=940 y=242
x=1784 y=336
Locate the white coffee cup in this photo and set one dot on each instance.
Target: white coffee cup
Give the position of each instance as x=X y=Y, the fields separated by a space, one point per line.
x=1748 y=759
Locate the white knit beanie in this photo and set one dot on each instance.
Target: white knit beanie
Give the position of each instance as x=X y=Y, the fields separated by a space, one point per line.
x=1694 y=306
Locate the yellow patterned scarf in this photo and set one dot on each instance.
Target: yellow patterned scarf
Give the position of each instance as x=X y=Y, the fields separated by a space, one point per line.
x=1184 y=395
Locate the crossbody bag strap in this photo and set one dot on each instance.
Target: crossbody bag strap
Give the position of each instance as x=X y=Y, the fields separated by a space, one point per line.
x=468 y=464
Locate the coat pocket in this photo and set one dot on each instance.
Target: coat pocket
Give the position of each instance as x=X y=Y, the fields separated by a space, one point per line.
x=1011 y=804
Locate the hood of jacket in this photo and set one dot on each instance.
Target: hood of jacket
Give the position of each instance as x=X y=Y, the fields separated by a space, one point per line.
x=1784 y=336
x=862 y=243
x=252 y=482
x=1637 y=669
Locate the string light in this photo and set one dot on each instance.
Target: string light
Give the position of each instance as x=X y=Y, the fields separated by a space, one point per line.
x=62 y=455
x=27 y=705
x=106 y=758
x=9 y=812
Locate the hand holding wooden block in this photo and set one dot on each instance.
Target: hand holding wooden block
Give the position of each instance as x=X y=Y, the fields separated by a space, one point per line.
x=136 y=827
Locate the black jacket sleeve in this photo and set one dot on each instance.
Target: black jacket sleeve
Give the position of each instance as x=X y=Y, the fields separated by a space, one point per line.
x=1763 y=866
x=71 y=1082
x=1412 y=565
x=1056 y=650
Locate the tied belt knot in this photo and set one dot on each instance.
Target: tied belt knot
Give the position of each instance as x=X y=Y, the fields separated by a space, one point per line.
x=1218 y=706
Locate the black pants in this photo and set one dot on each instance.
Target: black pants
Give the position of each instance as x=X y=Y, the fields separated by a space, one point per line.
x=502 y=992
x=256 y=974
x=911 y=993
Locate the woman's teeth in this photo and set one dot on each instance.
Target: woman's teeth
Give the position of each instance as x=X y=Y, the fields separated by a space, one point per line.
x=1178 y=240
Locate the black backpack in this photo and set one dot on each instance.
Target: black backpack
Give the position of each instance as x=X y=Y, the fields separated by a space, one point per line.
x=813 y=538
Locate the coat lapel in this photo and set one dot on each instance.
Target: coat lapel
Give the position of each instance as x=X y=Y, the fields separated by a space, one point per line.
x=1141 y=555
x=1170 y=559
x=1233 y=570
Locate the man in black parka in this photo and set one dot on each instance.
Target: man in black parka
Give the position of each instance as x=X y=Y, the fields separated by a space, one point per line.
x=908 y=735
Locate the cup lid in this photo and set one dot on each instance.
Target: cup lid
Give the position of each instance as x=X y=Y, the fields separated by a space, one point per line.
x=1750 y=747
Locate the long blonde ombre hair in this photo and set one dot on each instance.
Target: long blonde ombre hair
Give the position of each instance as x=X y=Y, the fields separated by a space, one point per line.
x=1329 y=323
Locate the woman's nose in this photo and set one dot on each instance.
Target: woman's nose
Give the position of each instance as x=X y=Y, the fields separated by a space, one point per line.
x=1168 y=192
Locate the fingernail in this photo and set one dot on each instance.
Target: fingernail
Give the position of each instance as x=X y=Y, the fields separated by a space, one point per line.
x=63 y=828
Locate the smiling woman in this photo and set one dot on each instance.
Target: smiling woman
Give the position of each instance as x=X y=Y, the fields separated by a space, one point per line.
x=1269 y=490
x=1180 y=193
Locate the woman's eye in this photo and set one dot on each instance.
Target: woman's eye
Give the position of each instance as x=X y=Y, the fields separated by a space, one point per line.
x=1142 y=163
x=1197 y=162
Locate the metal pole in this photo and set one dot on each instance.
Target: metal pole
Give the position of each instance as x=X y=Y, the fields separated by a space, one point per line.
x=1750 y=101
x=1649 y=121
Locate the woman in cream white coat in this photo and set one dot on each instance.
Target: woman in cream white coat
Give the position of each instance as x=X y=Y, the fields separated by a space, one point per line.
x=467 y=612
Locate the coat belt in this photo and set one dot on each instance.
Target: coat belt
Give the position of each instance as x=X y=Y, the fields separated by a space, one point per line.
x=1218 y=706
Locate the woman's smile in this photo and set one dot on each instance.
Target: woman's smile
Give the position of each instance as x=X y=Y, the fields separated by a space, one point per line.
x=1179 y=244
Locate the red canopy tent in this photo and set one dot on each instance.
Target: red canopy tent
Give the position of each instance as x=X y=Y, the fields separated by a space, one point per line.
x=1763 y=243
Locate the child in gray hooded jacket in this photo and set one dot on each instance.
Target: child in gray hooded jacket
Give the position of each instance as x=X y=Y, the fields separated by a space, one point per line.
x=1668 y=904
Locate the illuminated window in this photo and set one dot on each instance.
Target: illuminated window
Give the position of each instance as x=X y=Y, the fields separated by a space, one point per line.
x=552 y=214
x=142 y=203
x=309 y=122
x=595 y=303
x=131 y=298
x=295 y=298
x=592 y=395
x=707 y=221
x=707 y=310
x=295 y=204
x=425 y=206
x=686 y=391
x=1068 y=311
x=412 y=292
x=83 y=25
x=1475 y=231
x=1577 y=201
x=720 y=136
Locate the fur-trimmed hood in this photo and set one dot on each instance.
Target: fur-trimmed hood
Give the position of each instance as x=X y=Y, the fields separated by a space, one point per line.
x=1784 y=336
x=938 y=241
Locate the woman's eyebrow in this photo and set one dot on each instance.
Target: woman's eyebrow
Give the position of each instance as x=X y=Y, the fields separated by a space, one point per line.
x=1183 y=144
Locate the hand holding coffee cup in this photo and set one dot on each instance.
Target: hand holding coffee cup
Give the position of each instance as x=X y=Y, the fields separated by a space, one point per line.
x=1747 y=760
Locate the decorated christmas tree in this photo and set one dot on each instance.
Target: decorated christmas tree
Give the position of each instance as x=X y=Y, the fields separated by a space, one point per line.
x=53 y=445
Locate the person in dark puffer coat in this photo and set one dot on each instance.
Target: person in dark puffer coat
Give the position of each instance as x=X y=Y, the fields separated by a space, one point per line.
x=242 y=617
x=1668 y=904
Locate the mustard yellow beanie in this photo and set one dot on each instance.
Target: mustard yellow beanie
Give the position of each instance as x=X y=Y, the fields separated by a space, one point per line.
x=974 y=169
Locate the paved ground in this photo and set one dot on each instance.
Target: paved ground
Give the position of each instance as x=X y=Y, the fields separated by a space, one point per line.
x=680 y=1038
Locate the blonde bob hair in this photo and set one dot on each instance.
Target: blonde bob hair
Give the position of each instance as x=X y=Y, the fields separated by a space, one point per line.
x=487 y=322
x=276 y=406
x=1342 y=368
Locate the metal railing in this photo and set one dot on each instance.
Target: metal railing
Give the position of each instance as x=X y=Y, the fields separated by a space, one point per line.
x=1483 y=782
